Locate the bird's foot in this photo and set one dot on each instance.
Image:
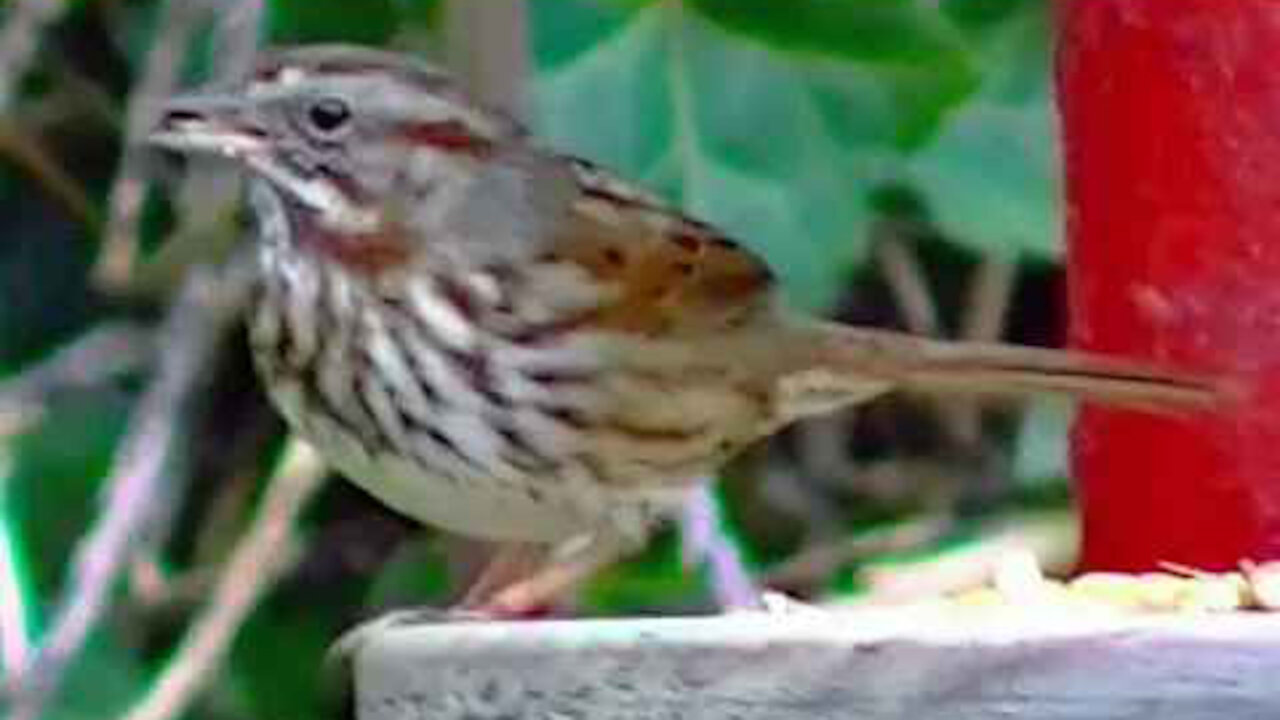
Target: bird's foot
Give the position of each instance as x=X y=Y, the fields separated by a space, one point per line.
x=351 y=641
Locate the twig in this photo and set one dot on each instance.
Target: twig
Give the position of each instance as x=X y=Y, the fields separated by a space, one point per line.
x=124 y=207
x=990 y=293
x=73 y=95
x=265 y=551
x=208 y=196
x=207 y=199
x=705 y=539
x=236 y=34
x=99 y=354
x=989 y=296
x=29 y=154
x=487 y=46
x=190 y=336
x=820 y=560
x=24 y=25
x=153 y=588
x=94 y=357
x=907 y=282
x=15 y=639
x=905 y=275
x=799 y=488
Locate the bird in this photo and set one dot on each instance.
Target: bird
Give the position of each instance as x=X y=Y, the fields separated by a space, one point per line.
x=514 y=344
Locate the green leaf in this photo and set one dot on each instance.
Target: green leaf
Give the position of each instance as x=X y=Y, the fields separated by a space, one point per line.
x=416 y=574
x=419 y=14
x=912 y=49
x=654 y=579
x=303 y=21
x=566 y=29
x=277 y=663
x=991 y=175
x=869 y=30
x=779 y=149
x=981 y=14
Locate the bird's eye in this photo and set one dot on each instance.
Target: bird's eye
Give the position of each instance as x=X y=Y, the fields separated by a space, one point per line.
x=328 y=115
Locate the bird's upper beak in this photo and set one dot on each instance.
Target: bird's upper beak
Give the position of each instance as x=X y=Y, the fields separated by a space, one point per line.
x=218 y=124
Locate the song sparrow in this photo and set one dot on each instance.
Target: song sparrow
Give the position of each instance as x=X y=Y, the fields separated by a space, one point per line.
x=514 y=344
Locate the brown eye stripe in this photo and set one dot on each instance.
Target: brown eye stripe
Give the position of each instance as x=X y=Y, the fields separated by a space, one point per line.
x=450 y=135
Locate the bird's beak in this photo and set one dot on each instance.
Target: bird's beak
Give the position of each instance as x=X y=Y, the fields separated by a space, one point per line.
x=218 y=124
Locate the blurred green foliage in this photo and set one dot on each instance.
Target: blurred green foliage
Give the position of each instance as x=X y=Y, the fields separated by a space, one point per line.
x=782 y=121
x=779 y=120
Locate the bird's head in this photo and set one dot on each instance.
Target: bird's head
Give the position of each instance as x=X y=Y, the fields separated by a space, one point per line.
x=331 y=128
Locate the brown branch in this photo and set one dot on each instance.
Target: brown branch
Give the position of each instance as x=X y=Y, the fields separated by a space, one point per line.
x=821 y=456
x=154 y=589
x=206 y=201
x=73 y=95
x=990 y=293
x=261 y=556
x=190 y=337
x=819 y=561
x=909 y=286
x=26 y=151
x=905 y=275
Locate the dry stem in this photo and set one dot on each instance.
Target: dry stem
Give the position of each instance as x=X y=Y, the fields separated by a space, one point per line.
x=263 y=553
x=159 y=79
x=190 y=336
x=24 y=25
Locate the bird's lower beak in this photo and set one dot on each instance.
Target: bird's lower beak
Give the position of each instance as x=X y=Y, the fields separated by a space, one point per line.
x=207 y=124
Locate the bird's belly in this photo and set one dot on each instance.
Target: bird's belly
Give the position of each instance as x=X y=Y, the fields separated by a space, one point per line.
x=460 y=426
x=474 y=505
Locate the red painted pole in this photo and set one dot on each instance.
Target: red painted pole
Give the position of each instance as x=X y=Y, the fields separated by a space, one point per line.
x=1171 y=122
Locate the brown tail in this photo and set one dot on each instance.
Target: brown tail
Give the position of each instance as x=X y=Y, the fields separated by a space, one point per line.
x=918 y=364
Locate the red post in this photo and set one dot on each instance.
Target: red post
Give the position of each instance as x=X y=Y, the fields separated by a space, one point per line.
x=1171 y=123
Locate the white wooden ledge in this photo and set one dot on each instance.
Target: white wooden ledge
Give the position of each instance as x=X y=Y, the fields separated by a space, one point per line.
x=916 y=663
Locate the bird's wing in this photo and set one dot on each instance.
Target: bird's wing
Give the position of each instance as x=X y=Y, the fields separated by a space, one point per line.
x=670 y=274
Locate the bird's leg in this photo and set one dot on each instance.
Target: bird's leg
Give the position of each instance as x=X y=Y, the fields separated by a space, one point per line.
x=568 y=566
x=509 y=564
